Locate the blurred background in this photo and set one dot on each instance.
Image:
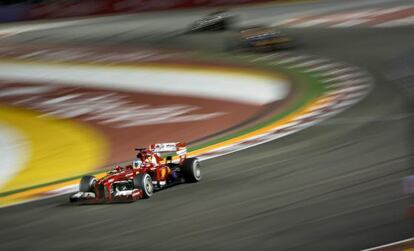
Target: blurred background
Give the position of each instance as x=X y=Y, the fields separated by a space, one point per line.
x=301 y=111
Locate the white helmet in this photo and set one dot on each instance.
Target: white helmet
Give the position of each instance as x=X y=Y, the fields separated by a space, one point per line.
x=137 y=163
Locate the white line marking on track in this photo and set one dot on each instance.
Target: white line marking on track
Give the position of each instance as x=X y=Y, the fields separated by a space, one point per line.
x=349 y=23
x=309 y=63
x=14 y=150
x=310 y=23
x=334 y=72
x=390 y=244
x=18 y=91
x=262 y=58
x=292 y=59
x=283 y=22
x=324 y=67
x=343 y=77
x=392 y=10
x=309 y=115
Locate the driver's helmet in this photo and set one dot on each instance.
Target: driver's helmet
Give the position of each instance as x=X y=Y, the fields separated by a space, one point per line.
x=137 y=163
x=118 y=168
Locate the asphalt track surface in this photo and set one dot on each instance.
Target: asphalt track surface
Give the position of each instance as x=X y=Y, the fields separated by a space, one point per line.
x=335 y=186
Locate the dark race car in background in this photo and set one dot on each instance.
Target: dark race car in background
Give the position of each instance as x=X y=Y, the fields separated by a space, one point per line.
x=215 y=21
x=254 y=38
x=152 y=170
x=262 y=38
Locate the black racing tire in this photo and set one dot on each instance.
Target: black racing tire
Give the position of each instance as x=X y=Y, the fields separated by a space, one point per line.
x=191 y=170
x=86 y=183
x=144 y=183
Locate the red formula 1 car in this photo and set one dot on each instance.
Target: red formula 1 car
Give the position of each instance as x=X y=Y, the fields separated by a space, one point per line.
x=153 y=169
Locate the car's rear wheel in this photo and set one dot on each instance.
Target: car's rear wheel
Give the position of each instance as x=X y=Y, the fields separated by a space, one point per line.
x=144 y=183
x=191 y=170
x=87 y=183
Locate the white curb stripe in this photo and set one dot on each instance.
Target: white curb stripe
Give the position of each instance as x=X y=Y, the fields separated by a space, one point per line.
x=389 y=245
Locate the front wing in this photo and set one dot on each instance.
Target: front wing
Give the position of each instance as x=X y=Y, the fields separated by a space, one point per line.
x=121 y=196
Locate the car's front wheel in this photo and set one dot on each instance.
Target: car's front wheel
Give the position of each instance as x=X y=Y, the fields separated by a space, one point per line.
x=144 y=183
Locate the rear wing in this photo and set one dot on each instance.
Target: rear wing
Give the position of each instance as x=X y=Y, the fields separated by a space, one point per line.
x=177 y=148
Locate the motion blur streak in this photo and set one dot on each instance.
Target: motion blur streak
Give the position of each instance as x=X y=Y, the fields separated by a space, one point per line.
x=334 y=186
x=14 y=148
x=51 y=154
x=156 y=79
